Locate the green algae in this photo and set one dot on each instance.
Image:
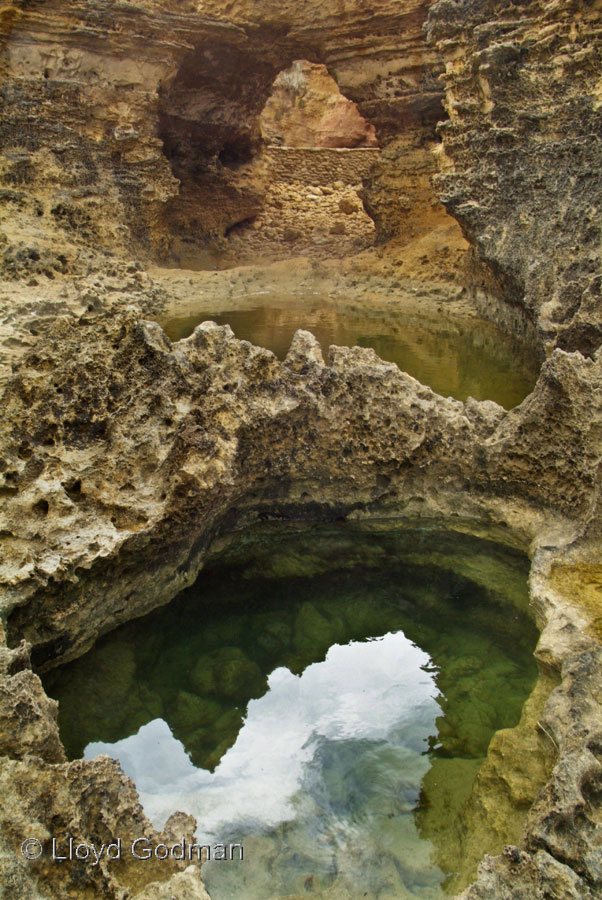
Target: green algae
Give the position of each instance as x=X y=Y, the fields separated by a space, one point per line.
x=273 y=600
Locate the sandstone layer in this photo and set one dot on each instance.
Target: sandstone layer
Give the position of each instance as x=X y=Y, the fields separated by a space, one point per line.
x=306 y=109
x=150 y=132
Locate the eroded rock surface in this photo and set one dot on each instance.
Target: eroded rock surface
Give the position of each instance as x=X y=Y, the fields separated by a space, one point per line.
x=150 y=135
x=129 y=455
x=523 y=97
x=123 y=456
x=306 y=109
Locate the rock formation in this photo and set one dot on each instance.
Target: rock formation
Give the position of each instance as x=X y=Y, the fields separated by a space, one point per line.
x=306 y=109
x=521 y=157
x=130 y=455
x=124 y=456
x=154 y=94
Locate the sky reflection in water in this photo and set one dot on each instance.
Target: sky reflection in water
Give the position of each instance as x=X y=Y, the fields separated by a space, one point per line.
x=372 y=698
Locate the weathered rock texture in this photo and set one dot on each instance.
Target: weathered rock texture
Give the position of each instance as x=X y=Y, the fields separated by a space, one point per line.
x=122 y=456
x=150 y=131
x=519 y=157
x=129 y=455
x=523 y=98
x=312 y=207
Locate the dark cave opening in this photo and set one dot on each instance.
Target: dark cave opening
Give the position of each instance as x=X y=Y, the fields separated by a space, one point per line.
x=280 y=153
x=210 y=123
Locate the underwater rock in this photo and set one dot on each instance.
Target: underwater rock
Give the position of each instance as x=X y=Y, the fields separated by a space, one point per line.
x=237 y=676
x=145 y=705
x=274 y=635
x=228 y=673
x=202 y=677
x=192 y=711
x=313 y=632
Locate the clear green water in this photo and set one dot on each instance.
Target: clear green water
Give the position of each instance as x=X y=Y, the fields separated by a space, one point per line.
x=295 y=697
x=455 y=357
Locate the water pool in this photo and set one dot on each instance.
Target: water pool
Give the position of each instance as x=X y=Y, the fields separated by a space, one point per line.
x=455 y=356
x=296 y=698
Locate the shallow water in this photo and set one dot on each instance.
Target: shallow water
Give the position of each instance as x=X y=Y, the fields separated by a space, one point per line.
x=456 y=357
x=295 y=697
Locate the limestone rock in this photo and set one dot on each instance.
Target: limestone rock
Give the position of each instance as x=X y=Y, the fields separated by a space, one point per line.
x=515 y=146
x=133 y=129
x=306 y=109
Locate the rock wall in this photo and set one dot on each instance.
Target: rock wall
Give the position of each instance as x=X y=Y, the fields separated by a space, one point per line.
x=150 y=123
x=124 y=456
x=521 y=154
x=306 y=109
x=320 y=166
x=312 y=207
x=398 y=191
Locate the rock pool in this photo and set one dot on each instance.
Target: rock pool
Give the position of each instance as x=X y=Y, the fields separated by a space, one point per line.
x=311 y=696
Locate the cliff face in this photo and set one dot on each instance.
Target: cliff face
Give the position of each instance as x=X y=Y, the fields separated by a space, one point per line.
x=522 y=152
